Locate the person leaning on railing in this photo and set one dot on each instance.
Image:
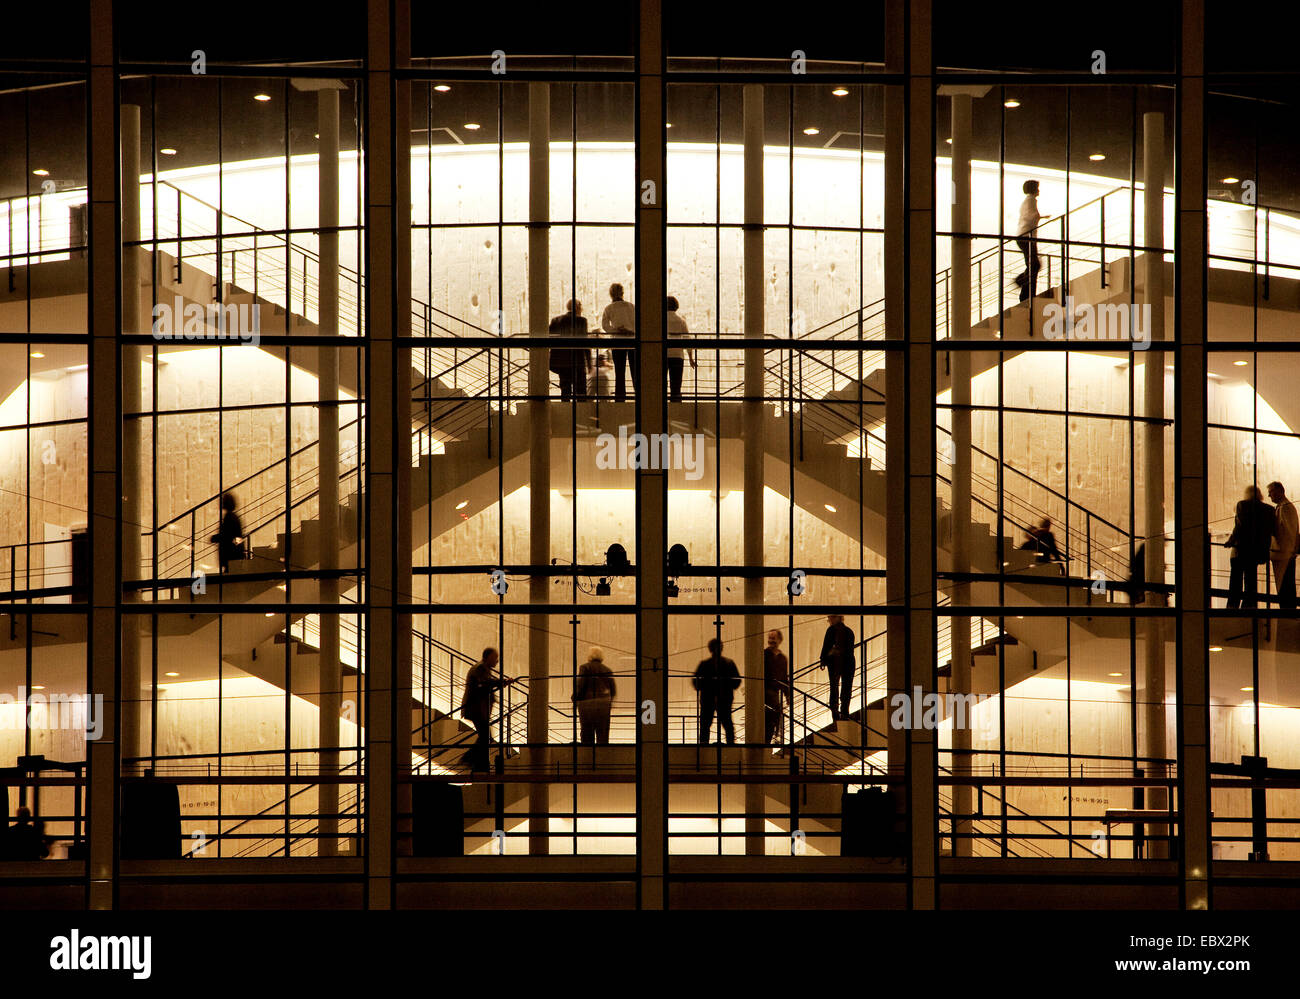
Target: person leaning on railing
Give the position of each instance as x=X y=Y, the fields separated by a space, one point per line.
x=619 y=318
x=573 y=365
x=594 y=693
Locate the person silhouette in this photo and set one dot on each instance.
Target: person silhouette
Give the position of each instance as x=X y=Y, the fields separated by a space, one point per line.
x=1027 y=240
x=594 y=694
x=229 y=538
x=619 y=318
x=716 y=680
x=839 y=662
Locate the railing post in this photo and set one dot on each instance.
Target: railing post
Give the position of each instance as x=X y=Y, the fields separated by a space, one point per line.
x=180 y=241
x=1101 y=240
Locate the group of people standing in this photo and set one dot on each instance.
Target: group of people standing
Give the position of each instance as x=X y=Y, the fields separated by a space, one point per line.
x=1263 y=534
x=583 y=373
x=716 y=680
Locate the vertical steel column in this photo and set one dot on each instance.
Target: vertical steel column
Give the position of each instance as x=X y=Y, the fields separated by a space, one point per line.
x=1190 y=435
x=652 y=484
x=1153 y=466
x=539 y=458
x=896 y=519
x=918 y=438
x=327 y=449
x=388 y=450
x=959 y=297
x=104 y=494
x=134 y=739
x=752 y=432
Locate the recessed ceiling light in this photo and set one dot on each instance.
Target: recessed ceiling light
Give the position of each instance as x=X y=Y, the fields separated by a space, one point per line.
x=167 y=151
x=1230 y=180
x=949 y=141
x=1216 y=648
x=1240 y=364
x=829 y=508
x=261 y=97
x=270 y=613
x=1011 y=103
x=41 y=172
x=1096 y=157
x=1247 y=690
x=668 y=124
x=442 y=88
x=37 y=354
x=315 y=135
x=810 y=130
x=171 y=674
x=38 y=686
x=1114 y=674
x=840 y=92
x=462 y=504
x=473 y=126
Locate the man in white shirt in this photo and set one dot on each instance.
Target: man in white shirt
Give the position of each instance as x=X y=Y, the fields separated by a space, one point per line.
x=676 y=360
x=1026 y=240
x=619 y=318
x=1286 y=535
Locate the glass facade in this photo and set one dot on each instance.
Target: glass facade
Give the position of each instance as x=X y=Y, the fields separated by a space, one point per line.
x=603 y=448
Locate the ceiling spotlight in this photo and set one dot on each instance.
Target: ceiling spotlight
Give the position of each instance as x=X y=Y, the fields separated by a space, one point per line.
x=1114 y=674
x=840 y=92
x=1096 y=157
x=811 y=131
x=1240 y=364
x=171 y=674
x=41 y=172
x=949 y=141
x=442 y=88
x=262 y=97
x=38 y=686
x=462 y=504
x=1216 y=648
x=668 y=124
x=1247 y=690
x=829 y=508
x=1230 y=180
x=167 y=151
x=1011 y=102
x=37 y=354
x=473 y=126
